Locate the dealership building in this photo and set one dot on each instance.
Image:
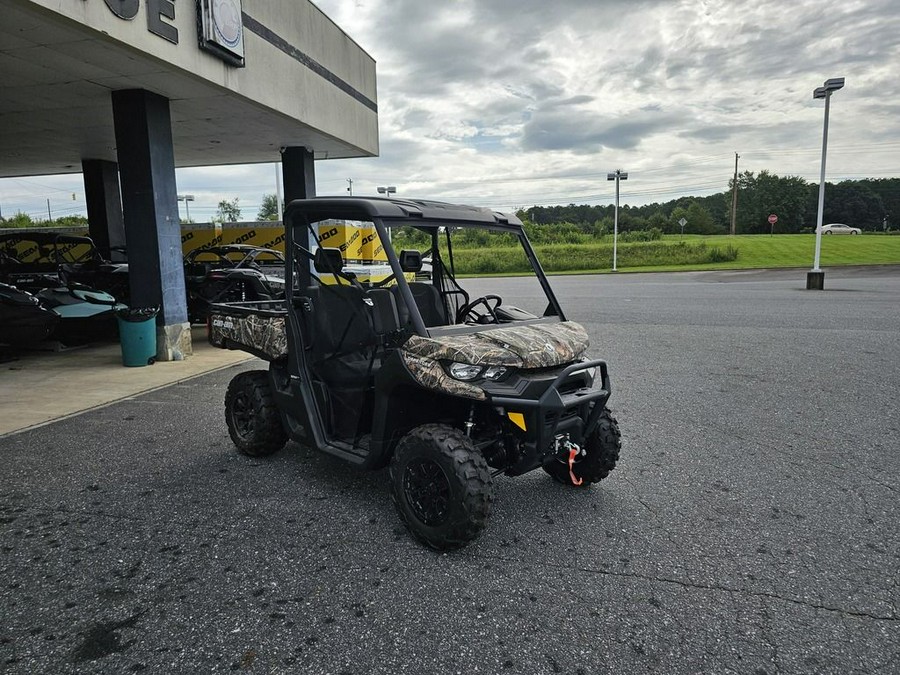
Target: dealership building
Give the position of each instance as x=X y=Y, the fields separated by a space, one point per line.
x=125 y=91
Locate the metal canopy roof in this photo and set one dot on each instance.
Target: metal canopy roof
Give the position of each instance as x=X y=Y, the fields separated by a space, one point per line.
x=55 y=106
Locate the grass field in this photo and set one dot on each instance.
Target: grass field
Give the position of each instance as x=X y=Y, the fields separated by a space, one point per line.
x=689 y=253
x=682 y=253
x=795 y=250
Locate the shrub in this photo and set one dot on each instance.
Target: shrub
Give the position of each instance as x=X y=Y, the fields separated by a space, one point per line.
x=725 y=254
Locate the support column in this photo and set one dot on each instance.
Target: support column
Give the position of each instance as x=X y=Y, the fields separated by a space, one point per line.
x=106 y=225
x=299 y=173
x=149 y=201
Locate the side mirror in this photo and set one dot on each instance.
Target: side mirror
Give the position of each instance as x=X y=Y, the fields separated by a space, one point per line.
x=328 y=260
x=410 y=261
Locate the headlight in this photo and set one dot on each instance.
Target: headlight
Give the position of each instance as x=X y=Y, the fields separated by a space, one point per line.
x=464 y=371
x=494 y=372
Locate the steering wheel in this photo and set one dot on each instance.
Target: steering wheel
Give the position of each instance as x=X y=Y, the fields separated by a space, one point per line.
x=488 y=315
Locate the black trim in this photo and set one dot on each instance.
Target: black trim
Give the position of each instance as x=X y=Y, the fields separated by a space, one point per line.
x=279 y=42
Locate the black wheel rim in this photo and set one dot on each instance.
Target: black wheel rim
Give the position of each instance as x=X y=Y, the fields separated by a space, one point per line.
x=242 y=415
x=427 y=491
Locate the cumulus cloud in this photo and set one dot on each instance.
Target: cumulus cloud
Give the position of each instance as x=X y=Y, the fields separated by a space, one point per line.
x=525 y=92
x=508 y=103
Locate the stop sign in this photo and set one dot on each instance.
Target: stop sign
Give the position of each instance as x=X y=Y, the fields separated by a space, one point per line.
x=773 y=219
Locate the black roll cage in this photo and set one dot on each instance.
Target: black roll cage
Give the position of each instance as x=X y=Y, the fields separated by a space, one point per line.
x=426 y=216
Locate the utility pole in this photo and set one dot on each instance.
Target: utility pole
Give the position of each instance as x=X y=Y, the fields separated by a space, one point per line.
x=734 y=198
x=49 y=215
x=350 y=186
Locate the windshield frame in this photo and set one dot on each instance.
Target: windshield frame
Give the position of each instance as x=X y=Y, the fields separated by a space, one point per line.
x=435 y=228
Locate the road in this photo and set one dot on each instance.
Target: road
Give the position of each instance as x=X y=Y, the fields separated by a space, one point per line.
x=751 y=526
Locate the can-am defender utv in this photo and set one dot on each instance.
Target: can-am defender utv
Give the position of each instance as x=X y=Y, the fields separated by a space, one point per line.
x=443 y=380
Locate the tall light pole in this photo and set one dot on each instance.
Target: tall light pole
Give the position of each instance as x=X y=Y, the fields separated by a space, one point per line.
x=734 y=198
x=187 y=199
x=617 y=176
x=387 y=192
x=815 y=279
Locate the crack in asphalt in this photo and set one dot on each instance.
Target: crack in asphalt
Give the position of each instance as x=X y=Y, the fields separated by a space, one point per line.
x=636 y=494
x=743 y=591
x=766 y=631
x=632 y=575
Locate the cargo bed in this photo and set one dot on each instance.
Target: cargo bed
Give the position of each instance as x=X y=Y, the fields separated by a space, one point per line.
x=257 y=327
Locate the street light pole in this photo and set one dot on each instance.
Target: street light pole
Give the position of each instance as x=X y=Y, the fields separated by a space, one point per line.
x=617 y=176
x=815 y=279
x=187 y=199
x=734 y=197
x=387 y=191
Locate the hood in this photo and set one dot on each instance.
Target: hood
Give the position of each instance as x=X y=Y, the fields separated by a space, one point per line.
x=73 y=303
x=529 y=346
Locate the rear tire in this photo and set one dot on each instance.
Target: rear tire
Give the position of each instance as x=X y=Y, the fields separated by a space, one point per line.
x=442 y=486
x=252 y=416
x=602 y=448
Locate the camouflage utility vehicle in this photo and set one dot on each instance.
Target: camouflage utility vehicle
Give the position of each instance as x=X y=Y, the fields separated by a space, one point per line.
x=443 y=380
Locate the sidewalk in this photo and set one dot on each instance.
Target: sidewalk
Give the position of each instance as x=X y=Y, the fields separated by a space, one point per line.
x=40 y=387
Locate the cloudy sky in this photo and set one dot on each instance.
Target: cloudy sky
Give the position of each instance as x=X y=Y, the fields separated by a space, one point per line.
x=509 y=103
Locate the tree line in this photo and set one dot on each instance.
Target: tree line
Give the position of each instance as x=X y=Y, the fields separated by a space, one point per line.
x=870 y=204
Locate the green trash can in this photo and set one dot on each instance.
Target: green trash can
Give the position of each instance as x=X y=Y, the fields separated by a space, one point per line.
x=137 y=335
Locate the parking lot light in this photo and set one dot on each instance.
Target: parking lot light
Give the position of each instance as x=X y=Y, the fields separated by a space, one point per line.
x=187 y=199
x=815 y=279
x=617 y=176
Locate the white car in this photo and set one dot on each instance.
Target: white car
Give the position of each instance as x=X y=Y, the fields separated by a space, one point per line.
x=840 y=228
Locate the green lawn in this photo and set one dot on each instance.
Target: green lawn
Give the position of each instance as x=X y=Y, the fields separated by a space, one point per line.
x=754 y=252
x=797 y=250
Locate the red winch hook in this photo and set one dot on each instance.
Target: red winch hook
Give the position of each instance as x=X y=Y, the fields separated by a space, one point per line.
x=574 y=450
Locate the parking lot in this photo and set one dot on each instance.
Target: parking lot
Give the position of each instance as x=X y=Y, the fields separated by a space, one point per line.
x=751 y=526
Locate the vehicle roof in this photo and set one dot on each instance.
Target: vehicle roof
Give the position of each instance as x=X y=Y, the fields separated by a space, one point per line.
x=234 y=248
x=416 y=211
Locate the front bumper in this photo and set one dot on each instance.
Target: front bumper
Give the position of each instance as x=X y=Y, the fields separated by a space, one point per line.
x=563 y=407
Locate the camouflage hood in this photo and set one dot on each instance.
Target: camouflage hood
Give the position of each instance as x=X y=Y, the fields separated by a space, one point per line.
x=535 y=346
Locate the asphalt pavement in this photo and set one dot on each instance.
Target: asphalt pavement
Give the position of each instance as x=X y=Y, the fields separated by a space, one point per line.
x=750 y=528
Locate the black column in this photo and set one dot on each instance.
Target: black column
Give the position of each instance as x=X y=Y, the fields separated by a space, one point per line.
x=299 y=173
x=149 y=201
x=104 y=204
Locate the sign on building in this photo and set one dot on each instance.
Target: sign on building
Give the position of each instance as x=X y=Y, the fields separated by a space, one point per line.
x=221 y=29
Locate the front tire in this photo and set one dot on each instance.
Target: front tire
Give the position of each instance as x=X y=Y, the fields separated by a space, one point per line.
x=252 y=416
x=602 y=452
x=442 y=486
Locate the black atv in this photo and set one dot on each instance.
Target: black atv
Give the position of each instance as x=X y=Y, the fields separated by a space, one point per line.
x=34 y=261
x=231 y=273
x=443 y=380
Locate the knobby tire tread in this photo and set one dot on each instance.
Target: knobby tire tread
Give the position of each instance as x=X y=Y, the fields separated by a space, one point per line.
x=471 y=471
x=268 y=433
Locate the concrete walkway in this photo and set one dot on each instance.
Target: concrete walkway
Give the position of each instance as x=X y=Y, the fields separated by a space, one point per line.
x=40 y=387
